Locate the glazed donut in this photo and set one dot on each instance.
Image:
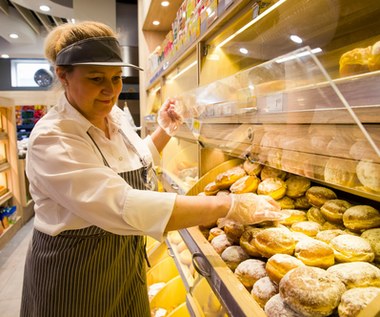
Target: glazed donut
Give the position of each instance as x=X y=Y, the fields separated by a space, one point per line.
x=252 y=168
x=249 y=271
x=333 y=210
x=311 y=291
x=220 y=243
x=247 y=241
x=310 y=228
x=356 y=299
x=361 y=217
x=314 y=214
x=246 y=184
x=233 y=256
x=274 y=187
x=318 y=195
x=313 y=252
x=211 y=189
x=276 y=307
x=225 y=179
x=356 y=274
x=294 y=216
x=263 y=290
x=280 y=264
x=373 y=237
x=350 y=248
x=271 y=241
x=296 y=186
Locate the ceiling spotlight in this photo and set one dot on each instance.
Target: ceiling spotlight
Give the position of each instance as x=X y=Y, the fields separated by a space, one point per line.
x=243 y=50
x=13 y=36
x=45 y=8
x=296 y=39
x=156 y=22
x=165 y=3
x=4 y=56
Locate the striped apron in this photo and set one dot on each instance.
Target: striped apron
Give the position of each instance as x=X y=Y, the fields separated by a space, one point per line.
x=88 y=272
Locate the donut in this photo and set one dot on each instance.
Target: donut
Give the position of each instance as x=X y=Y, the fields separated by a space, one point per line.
x=233 y=256
x=333 y=210
x=296 y=186
x=374 y=57
x=328 y=235
x=314 y=214
x=271 y=241
x=368 y=173
x=211 y=189
x=373 y=237
x=311 y=291
x=350 y=248
x=354 y=61
x=225 y=179
x=313 y=252
x=361 y=217
x=329 y=225
x=318 y=195
x=276 y=307
x=341 y=172
x=356 y=299
x=246 y=184
x=220 y=243
x=274 y=187
x=294 y=216
x=213 y=232
x=286 y=203
x=233 y=230
x=263 y=290
x=223 y=192
x=249 y=271
x=280 y=264
x=270 y=172
x=301 y=203
x=356 y=274
x=252 y=168
x=247 y=241
x=310 y=228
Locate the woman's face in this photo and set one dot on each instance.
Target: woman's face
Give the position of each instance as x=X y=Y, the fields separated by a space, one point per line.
x=93 y=90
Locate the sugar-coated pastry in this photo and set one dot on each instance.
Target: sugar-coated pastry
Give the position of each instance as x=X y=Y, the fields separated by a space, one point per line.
x=273 y=186
x=314 y=214
x=270 y=172
x=301 y=203
x=313 y=252
x=311 y=291
x=233 y=256
x=213 y=232
x=246 y=184
x=247 y=241
x=297 y=186
x=373 y=237
x=294 y=216
x=271 y=241
x=327 y=225
x=333 y=210
x=318 y=195
x=252 y=168
x=286 y=202
x=220 y=243
x=276 y=307
x=328 y=235
x=354 y=61
x=263 y=290
x=361 y=217
x=310 y=228
x=280 y=264
x=356 y=274
x=233 y=230
x=341 y=172
x=350 y=248
x=368 y=173
x=374 y=57
x=355 y=300
x=211 y=189
x=226 y=179
x=249 y=271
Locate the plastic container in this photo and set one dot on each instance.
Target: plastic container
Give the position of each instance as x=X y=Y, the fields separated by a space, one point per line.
x=163 y=271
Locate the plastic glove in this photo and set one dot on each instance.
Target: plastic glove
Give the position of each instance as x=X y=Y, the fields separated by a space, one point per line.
x=169 y=118
x=251 y=208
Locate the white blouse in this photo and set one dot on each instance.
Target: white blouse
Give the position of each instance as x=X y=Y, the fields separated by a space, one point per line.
x=73 y=189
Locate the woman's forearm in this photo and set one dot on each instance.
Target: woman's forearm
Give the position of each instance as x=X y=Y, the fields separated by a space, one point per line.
x=160 y=138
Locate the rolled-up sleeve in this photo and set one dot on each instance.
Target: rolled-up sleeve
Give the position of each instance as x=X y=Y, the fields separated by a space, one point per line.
x=139 y=204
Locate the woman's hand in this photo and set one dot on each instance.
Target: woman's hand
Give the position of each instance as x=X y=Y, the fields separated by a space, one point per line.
x=169 y=118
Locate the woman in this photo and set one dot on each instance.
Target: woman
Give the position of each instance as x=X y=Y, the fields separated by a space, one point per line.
x=90 y=179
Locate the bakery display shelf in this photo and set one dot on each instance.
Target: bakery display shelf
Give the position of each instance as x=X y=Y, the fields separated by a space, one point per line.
x=3 y=135
x=230 y=292
x=172 y=183
x=5 y=196
x=4 y=166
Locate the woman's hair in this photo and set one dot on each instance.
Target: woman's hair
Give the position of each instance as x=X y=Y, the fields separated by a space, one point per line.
x=66 y=34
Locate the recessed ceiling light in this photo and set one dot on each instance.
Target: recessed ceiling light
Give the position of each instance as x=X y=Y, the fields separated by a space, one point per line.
x=13 y=36
x=296 y=39
x=44 y=8
x=156 y=22
x=243 y=50
x=165 y=3
x=4 y=56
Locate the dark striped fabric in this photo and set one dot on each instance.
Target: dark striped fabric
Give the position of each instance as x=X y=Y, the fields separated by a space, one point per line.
x=87 y=272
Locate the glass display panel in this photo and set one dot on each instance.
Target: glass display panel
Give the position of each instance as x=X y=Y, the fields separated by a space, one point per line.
x=3 y=152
